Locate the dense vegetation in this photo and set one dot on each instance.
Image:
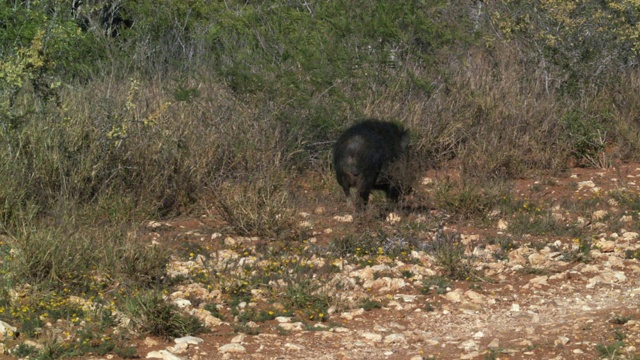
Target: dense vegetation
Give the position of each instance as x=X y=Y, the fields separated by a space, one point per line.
x=114 y=111
x=102 y=97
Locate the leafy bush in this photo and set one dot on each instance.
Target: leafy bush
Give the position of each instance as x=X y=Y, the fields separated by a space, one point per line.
x=570 y=38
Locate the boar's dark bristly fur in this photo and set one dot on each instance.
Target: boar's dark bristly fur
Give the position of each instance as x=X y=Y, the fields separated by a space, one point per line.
x=363 y=158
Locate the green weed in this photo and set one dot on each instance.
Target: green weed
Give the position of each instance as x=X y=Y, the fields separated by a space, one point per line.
x=539 y=224
x=23 y=350
x=531 y=270
x=439 y=283
x=369 y=305
x=213 y=309
x=303 y=295
x=610 y=351
x=581 y=252
x=153 y=315
x=126 y=352
x=632 y=254
x=246 y=329
x=506 y=244
x=449 y=252
x=619 y=320
x=468 y=201
x=588 y=139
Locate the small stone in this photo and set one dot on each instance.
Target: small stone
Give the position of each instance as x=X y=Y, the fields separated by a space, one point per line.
x=616 y=261
x=180 y=348
x=515 y=258
x=155 y=354
x=406 y=298
x=395 y=339
x=148 y=341
x=586 y=184
x=379 y=328
x=599 y=214
x=475 y=297
x=561 y=340
x=393 y=218
x=502 y=224
x=590 y=269
x=283 y=319
x=373 y=337
x=385 y=284
x=294 y=347
x=606 y=246
x=395 y=304
x=297 y=326
x=540 y=280
x=154 y=224
x=231 y=348
x=478 y=335
x=537 y=259
x=343 y=219
x=593 y=282
x=626 y=219
x=206 y=318
x=191 y=340
x=525 y=343
x=427 y=181
x=7 y=330
x=454 y=296
x=620 y=276
x=163 y=354
x=494 y=344
x=469 y=346
x=305 y=224
x=33 y=344
x=238 y=339
x=469 y=238
x=515 y=307
x=630 y=235
x=182 y=303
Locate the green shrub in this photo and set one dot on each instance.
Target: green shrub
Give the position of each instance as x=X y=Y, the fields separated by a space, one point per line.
x=588 y=138
x=449 y=252
x=151 y=314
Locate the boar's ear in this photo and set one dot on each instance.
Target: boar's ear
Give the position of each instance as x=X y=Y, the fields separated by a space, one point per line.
x=404 y=140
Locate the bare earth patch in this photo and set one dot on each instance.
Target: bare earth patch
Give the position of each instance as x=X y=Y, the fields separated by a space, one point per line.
x=534 y=292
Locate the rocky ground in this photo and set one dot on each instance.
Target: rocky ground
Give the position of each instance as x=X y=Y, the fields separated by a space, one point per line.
x=548 y=295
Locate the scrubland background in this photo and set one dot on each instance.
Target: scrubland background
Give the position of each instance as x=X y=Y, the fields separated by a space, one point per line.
x=114 y=112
